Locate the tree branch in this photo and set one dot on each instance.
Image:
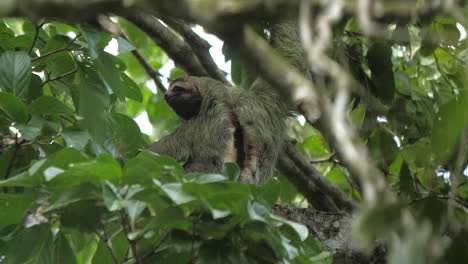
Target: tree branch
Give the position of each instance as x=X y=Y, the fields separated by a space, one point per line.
x=315 y=187
x=200 y=46
x=127 y=229
x=115 y=29
x=333 y=230
x=108 y=244
x=177 y=49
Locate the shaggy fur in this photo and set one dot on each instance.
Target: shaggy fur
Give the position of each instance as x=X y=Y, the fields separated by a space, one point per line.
x=246 y=126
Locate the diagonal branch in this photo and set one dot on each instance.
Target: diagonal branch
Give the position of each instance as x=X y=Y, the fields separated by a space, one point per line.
x=200 y=46
x=177 y=49
x=315 y=187
x=115 y=29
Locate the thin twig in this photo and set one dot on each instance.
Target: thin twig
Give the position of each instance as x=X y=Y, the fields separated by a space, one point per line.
x=12 y=161
x=454 y=56
x=115 y=29
x=179 y=51
x=108 y=244
x=58 y=77
x=126 y=229
x=66 y=48
x=454 y=89
x=155 y=250
x=36 y=35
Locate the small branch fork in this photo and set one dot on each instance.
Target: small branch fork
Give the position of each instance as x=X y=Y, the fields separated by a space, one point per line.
x=66 y=48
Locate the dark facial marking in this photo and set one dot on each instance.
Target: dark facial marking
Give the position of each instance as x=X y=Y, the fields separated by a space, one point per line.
x=184 y=98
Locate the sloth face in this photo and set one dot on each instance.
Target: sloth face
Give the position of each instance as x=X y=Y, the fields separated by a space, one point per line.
x=184 y=97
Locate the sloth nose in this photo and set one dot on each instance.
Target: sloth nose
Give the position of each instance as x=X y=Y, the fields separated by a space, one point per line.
x=168 y=95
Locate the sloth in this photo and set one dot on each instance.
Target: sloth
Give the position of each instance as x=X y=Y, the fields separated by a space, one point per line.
x=222 y=124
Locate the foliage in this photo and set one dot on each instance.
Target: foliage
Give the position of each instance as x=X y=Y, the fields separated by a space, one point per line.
x=77 y=187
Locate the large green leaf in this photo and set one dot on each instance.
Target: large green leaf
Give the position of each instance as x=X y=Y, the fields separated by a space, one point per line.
x=15 y=72
x=379 y=58
x=125 y=138
x=132 y=90
x=75 y=138
x=49 y=105
x=13 y=208
x=96 y=40
x=449 y=125
x=41 y=248
x=109 y=74
x=93 y=105
x=146 y=166
x=218 y=252
x=14 y=109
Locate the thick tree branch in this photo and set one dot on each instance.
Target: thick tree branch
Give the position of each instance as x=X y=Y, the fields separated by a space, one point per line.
x=223 y=13
x=333 y=230
x=319 y=191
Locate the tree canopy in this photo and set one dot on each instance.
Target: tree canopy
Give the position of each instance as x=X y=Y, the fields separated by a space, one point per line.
x=376 y=169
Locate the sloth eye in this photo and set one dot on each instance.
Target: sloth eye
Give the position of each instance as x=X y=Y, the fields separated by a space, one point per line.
x=178 y=89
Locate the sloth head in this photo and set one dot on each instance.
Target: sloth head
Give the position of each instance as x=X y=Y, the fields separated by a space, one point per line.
x=184 y=97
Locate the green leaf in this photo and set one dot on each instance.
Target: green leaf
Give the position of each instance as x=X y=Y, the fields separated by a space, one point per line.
x=95 y=40
x=175 y=192
x=15 y=72
x=205 y=178
x=132 y=90
x=258 y=212
x=242 y=76
x=83 y=215
x=61 y=160
x=449 y=125
x=221 y=198
x=383 y=147
x=146 y=166
x=103 y=169
x=49 y=105
x=41 y=247
x=125 y=138
x=317 y=145
x=134 y=209
x=63 y=197
x=232 y=171
x=14 y=109
x=288 y=192
x=109 y=74
x=84 y=245
x=407 y=183
x=93 y=105
x=176 y=73
x=270 y=192
x=112 y=199
x=357 y=116
x=35 y=88
x=63 y=252
x=75 y=138
x=37 y=241
x=445 y=31
x=379 y=58
x=171 y=217
x=13 y=208
x=218 y=252
x=161 y=115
